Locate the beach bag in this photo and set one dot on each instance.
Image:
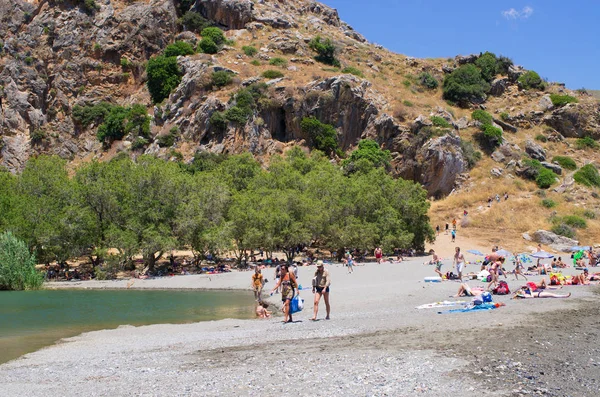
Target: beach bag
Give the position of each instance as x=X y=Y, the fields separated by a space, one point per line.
x=451 y=276
x=296 y=304
x=501 y=289
x=486 y=297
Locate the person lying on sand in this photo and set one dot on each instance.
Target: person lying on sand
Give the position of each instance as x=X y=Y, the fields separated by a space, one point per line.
x=526 y=292
x=465 y=290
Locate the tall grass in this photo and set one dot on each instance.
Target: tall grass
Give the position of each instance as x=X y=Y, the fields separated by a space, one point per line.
x=17 y=265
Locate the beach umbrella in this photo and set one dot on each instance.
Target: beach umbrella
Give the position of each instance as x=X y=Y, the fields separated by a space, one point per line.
x=542 y=255
x=476 y=252
x=504 y=253
x=578 y=248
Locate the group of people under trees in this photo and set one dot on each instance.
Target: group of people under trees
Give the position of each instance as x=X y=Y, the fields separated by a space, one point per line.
x=286 y=282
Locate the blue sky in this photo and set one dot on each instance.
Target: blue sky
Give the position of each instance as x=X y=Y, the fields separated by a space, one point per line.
x=558 y=39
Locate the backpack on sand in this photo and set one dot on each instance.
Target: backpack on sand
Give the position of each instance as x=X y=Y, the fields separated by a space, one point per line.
x=501 y=289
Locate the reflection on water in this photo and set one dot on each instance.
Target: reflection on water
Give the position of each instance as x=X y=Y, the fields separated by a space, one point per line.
x=33 y=319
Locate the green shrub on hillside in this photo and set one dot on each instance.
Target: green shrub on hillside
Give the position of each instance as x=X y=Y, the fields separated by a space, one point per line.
x=370 y=151
x=464 y=85
x=541 y=138
x=272 y=74
x=545 y=178
x=586 y=143
x=563 y=230
x=503 y=64
x=492 y=134
x=504 y=116
x=548 y=203
x=325 y=50
x=588 y=176
x=255 y=62
x=215 y=34
x=163 y=76
x=193 y=22
x=531 y=80
x=471 y=155
x=86 y=115
x=179 y=48
x=323 y=136
x=221 y=78
x=589 y=214
x=249 y=50
x=207 y=46
x=218 y=121
x=565 y=162
x=482 y=116
x=89 y=6
x=281 y=62
x=487 y=64
x=574 y=221
x=440 y=122
x=352 y=70
x=428 y=81
x=561 y=100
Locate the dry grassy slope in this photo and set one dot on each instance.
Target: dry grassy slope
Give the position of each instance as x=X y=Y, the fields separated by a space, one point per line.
x=504 y=223
x=392 y=76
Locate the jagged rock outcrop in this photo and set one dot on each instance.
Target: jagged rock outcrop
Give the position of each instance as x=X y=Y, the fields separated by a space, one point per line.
x=559 y=243
x=535 y=151
x=232 y=14
x=437 y=165
x=499 y=86
x=576 y=120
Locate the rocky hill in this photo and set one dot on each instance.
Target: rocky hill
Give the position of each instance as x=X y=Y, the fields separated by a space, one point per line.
x=70 y=68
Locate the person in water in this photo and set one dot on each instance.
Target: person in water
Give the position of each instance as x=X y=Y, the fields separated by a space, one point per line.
x=261 y=310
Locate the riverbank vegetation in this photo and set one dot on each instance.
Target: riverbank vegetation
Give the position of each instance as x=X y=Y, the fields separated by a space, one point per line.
x=214 y=204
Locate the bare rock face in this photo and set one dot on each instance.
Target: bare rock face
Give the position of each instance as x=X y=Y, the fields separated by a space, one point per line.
x=499 y=86
x=559 y=243
x=328 y=14
x=233 y=14
x=437 y=165
x=535 y=151
x=576 y=120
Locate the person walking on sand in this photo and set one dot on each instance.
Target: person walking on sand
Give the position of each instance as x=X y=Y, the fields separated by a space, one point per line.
x=518 y=267
x=453 y=233
x=437 y=263
x=459 y=262
x=349 y=262
x=437 y=230
x=378 y=255
x=257 y=283
x=446 y=228
x=454 y=224
x=288 y=284
x=321 y=283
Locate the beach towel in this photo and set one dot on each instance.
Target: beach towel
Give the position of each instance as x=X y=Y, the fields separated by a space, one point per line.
x=440 y=304
x=483 y=306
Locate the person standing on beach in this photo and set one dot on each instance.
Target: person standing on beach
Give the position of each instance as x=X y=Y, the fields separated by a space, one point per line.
x=437 y=230
x=446 y=228
x=378 y=255
x=321 y=284
x=459 y=262
x=349 y=262
x=257 y=283
x=454 y=224
x=453 y=233
x=288 y=284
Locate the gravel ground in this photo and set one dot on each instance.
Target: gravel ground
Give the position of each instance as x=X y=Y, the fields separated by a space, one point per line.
x=376 y=344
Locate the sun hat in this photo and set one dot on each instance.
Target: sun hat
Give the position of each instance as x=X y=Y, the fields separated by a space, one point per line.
x=319 y=263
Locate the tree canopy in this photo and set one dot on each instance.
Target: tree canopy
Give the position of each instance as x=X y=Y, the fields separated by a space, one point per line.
x=214 y=205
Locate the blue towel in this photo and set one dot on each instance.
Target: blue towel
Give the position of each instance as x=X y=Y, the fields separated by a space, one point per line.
x=483 y=306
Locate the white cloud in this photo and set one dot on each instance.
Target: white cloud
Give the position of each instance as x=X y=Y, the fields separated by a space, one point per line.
x=514 y=14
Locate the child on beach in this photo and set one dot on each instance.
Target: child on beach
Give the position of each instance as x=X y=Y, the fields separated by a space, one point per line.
x=261 y=310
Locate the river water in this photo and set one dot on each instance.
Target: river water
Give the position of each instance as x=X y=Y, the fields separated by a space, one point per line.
x=30 y=320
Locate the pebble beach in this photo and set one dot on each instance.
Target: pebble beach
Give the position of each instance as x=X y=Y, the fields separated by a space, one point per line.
x=377 y=343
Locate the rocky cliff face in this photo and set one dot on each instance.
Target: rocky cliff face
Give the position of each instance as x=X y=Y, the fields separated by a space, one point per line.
x=57 y=54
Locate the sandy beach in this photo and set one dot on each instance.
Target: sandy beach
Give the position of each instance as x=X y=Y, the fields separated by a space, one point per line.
x=377 y=344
